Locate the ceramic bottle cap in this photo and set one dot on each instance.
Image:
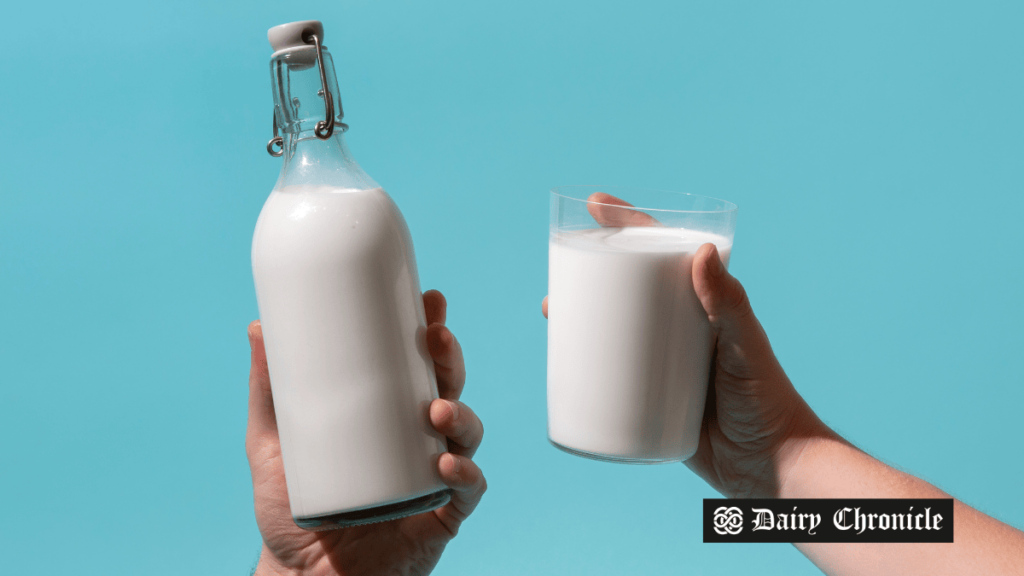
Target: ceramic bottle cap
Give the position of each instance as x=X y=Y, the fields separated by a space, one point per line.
x=291 y=35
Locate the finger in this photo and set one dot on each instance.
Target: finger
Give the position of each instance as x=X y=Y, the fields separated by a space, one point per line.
x=544 y=307
x=459 y=424
x=721 y=294
x=262 y=421
x=468 y=485
x=740 y=335
x=612 y=212
x=449 y=365
x=435 y=306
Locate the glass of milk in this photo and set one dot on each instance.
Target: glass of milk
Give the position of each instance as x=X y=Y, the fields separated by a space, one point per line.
x=629 y=344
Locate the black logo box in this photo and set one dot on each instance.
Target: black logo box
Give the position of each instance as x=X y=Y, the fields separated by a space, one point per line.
x=828 y=520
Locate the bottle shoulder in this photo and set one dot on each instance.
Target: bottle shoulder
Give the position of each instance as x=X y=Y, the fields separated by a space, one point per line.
x=329 y=222
x=327 y=193
x=309 y=205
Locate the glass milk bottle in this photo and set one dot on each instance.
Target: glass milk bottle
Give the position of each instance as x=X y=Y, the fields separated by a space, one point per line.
x=342 y=313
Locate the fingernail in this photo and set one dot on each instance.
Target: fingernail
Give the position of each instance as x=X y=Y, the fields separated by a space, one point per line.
x=456 y=464
x=249 y=332
x=715 y=262
x=455 y=410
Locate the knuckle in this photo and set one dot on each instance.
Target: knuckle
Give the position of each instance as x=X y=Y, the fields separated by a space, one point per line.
x=738 y=303
x=446 y=337
x=471 y=428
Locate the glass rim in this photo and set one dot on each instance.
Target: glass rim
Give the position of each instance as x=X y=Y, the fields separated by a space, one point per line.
x=728 y=206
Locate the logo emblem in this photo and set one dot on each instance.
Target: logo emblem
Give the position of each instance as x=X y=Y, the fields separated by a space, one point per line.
x=728 y=520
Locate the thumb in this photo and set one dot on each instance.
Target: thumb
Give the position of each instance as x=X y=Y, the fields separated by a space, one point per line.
x=262 y=420
x=742 y=343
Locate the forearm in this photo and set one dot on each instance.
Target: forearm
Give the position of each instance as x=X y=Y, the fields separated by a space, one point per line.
x=823 y=465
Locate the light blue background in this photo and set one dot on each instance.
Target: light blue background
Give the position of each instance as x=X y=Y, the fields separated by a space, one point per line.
x=874 y=148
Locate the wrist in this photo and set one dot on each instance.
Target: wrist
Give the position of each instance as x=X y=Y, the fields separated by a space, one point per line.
x=758 y=464
x=806 y=440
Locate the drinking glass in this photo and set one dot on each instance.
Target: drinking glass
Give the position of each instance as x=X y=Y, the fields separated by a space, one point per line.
x=629 y=343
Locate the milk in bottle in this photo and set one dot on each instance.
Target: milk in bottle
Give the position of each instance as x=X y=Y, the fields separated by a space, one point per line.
x=342 y=315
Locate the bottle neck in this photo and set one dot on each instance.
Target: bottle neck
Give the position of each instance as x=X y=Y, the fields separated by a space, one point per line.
x=298 y=106
x=310 y=161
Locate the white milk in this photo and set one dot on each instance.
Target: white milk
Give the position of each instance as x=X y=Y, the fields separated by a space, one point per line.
x=629 y=344
x=344 y=327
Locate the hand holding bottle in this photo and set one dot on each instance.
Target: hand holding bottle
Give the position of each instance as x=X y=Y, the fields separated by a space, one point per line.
x=410 y=545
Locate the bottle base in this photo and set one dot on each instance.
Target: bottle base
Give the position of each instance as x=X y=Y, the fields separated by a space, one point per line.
x=615 y=459
x=377 y=513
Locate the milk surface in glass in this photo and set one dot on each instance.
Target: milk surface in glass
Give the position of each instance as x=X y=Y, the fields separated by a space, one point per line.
x=344 y=329
x=629 y=344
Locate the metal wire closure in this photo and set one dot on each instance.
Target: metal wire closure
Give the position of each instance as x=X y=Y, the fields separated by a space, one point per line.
x=275 y=140
x=325 y=127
